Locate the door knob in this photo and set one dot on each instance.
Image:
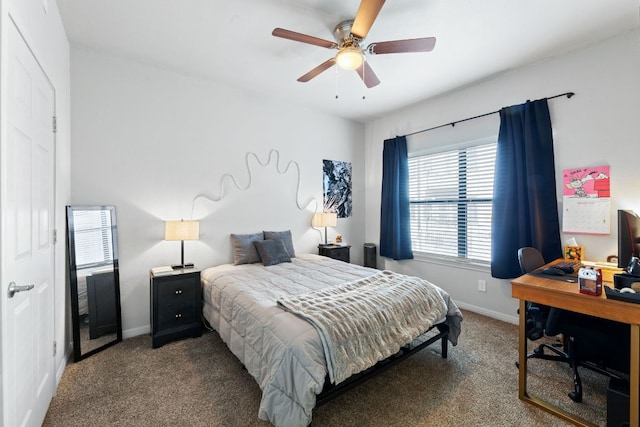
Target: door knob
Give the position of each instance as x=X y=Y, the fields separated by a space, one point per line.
x=13 y=289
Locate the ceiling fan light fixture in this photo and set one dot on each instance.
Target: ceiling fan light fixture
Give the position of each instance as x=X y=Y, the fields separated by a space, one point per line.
x=349 y=58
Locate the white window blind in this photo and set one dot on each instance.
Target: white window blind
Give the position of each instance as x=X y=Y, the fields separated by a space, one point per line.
x=450 y=197
x=92 y=234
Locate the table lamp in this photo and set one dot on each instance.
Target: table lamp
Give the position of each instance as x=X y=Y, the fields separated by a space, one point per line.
x=181 y=230
x=325 y=219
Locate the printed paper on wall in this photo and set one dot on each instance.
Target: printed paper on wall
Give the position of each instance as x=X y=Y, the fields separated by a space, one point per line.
x=586 y=200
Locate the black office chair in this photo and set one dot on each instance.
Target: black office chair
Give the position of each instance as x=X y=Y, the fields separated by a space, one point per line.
x=538 y=315
x=586 y=340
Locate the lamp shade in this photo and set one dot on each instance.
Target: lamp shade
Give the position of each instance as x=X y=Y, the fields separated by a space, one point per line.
x=181 y=230
x=326 y=219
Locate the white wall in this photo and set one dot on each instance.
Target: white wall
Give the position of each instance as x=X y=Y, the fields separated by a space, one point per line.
x=46 y=37
x=149 y=141
x=599 y=126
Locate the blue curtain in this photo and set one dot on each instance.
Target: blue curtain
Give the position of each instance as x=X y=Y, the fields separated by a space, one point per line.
x=525 y=208
x=395 y=235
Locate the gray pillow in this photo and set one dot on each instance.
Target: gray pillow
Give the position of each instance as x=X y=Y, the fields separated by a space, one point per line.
x=286 y=238
x=272 y=252
x=244 y=252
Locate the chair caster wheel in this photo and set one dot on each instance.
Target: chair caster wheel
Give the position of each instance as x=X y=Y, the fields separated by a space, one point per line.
x=576 y=397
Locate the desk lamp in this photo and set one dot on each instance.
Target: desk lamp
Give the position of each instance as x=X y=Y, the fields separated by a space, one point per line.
x=326 y=219
x=181 y=230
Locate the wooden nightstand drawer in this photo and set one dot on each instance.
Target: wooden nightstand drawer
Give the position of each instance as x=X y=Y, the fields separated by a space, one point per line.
x=177 y=291
x=176 y=315
x=176 y=303
x=338 y=252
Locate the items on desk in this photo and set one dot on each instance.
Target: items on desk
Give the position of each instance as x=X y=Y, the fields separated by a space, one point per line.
x=561 y=268
x=590 y=280
x=634 y=266
x=568 y=266
x=623 y=295
x=608 y=269
x=574 y=252
x=553 y=271
x=626 y=288
x=624 y=280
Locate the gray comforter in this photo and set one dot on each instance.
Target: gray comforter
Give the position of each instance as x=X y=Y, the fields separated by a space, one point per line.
x=283 y=352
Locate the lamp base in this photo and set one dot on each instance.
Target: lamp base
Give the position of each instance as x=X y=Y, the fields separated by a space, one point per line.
x=182 y=266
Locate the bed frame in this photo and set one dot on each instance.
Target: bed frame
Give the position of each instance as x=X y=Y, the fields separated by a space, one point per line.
x=331 y=391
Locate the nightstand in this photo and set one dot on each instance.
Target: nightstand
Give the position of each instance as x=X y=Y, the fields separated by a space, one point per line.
x=339 y=252
x=176 y=304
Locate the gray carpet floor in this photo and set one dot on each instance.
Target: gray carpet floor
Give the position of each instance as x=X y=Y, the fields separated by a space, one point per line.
x=198 y=382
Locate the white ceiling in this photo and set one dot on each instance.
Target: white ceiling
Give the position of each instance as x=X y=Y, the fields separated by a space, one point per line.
x=230 y=41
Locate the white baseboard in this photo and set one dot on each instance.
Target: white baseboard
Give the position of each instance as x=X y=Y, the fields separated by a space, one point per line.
x=134 y=332
x=68 y=354
x=63 y=366
x=489 y=313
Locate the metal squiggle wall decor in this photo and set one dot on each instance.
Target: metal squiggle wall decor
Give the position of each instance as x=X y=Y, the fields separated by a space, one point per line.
x=272 y=153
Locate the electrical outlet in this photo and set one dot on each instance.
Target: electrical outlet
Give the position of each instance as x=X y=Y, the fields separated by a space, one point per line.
x=482 y=285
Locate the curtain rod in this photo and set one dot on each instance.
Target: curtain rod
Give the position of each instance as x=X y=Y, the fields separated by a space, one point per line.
x=567 y=94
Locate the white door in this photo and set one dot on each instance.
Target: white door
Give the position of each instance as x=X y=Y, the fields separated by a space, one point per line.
x=27 y=200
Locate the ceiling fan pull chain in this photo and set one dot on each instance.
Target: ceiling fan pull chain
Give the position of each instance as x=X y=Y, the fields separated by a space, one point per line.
x=336 y=82
x=364 y=74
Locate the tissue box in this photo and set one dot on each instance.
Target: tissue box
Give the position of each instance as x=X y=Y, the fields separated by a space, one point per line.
x=574 y=253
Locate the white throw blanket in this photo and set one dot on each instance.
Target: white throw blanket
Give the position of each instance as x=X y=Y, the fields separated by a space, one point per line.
x=368 y=320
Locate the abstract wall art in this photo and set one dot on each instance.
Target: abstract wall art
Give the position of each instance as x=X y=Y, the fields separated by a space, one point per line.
x=336 y=187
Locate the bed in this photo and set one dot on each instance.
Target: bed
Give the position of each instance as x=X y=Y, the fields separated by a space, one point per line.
x=250 y=305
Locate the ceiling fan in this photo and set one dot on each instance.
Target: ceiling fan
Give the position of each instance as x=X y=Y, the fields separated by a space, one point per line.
x=349 y=36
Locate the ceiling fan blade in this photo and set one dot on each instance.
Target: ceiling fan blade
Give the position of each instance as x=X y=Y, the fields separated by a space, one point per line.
x=367 y=13
x=367 y=75
x=402 y=46
x=299 y=37
x=319 y=69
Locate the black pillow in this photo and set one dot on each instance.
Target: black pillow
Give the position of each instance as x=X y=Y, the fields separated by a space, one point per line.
x=272 y=252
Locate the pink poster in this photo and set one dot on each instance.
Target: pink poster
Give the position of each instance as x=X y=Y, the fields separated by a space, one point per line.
x=586 y=182
x=586 y=200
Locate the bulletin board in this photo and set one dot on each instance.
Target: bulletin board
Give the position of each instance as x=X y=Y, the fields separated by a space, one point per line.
x=586 y=200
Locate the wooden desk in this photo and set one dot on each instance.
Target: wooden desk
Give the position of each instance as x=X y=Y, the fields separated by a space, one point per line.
x=565 y=295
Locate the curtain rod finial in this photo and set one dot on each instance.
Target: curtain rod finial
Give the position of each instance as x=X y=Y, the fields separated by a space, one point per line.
x=570 y=94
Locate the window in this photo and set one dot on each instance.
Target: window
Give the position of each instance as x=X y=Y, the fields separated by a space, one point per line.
x=93 y=242
x=450 y=197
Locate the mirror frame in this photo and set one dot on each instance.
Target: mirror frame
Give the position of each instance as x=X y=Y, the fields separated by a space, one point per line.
x=73 y=280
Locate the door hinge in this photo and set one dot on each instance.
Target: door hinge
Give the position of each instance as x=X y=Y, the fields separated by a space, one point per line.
x=55 y=124
x=55 y=348
x=55 y=236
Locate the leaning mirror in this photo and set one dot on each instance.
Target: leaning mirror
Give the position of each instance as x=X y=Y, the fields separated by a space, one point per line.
x=93 y=276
